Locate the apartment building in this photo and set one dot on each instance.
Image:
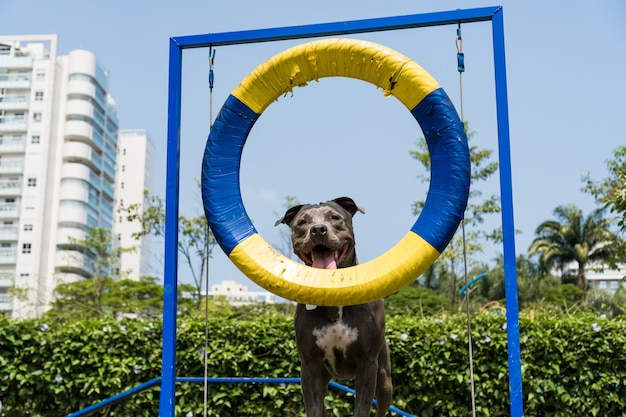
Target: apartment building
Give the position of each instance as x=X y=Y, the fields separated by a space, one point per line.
x=58 y=151
x=134 y=175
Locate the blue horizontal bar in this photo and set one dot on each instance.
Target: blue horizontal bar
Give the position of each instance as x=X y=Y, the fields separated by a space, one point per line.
x=353 y=392
x=239 y=380
x=481 y=14
x=120 y=397
x=115 y=399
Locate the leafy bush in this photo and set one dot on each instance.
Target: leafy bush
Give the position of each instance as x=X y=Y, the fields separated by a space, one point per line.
x=571 y=366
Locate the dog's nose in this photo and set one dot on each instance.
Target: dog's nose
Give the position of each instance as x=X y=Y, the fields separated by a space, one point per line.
x=318 y=230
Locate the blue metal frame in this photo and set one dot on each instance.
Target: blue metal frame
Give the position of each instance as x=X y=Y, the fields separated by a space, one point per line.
x=178 y=44
x=217 y=380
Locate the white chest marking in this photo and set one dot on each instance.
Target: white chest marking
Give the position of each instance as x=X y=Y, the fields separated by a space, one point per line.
x=335 y=336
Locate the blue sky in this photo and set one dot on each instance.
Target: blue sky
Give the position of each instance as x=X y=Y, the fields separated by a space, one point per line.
x=566 y=86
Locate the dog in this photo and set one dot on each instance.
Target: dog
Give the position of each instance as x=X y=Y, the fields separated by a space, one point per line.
x=341 y=342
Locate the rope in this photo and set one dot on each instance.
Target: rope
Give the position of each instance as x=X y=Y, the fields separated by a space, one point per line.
x=207 y=247
x=460 y=56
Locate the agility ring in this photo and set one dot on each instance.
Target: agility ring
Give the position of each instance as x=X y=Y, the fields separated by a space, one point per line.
x=446 y=200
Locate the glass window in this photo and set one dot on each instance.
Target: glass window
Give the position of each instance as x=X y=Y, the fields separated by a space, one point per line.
x=26 y=248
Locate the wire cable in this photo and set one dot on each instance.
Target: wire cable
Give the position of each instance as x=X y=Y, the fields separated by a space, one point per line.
x=461 y=69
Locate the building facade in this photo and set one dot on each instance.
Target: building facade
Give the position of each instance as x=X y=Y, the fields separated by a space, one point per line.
x=135 y=163
x=58 y=150
x=238 y=295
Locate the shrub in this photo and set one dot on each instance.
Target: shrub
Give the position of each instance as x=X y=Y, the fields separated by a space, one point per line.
x=571 y=366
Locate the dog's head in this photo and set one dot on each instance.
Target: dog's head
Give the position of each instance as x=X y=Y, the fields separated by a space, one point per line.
x=322 y=234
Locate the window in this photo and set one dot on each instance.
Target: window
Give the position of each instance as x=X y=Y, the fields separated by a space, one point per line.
x=40 y=76
x=123 y=168
x=26 y=248
x=32 y=182
x=124 y=151
x=24 y=275
x=37 y=117
x=28 y=227
x=35 y=139
x=38 y=95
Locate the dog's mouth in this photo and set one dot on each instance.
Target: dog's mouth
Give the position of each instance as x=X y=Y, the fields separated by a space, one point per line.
x=325 y=258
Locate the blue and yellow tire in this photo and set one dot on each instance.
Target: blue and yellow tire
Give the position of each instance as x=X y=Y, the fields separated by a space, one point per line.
x=445 y=203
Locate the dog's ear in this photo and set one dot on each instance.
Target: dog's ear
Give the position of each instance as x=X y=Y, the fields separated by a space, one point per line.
x=349 y=205
x=289 y=215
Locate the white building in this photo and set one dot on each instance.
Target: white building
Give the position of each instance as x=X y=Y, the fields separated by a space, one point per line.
x=608 y=280
x=238 y=294
x=58 y=149
x=135 y=163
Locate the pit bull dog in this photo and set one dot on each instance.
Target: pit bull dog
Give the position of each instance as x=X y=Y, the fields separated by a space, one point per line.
x=341 y=342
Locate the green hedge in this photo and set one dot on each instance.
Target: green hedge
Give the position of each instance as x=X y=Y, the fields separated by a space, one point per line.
x=571 y=366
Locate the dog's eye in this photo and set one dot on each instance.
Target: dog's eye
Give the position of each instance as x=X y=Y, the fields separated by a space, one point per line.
x=335 y=217
x=301 y=222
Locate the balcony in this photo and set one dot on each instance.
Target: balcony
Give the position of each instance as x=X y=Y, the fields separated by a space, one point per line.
x=78 y=129
x=12 y=145
x=11 y=166
x=8 y=233
x=74 y=190
x=15 y=80
x=80 y=152
x=6 y=280
x=13 y=102
x=8 y=256
x=9 y=211
x=73 y=213
x=75 y=170
x=81 y=86
x=73 y=262
x=6 y=302
x=80 y=107
x=13 y=123
x=64 y=234
x=13 y=62
x=10 y=188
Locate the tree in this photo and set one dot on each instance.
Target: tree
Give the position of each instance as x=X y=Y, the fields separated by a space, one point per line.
x=611 y=191
x=105 y=292
x=195 y=239
x=414 y=300
x=285 y=233
x=575 y=239
x=451 y=262
x=97 y=247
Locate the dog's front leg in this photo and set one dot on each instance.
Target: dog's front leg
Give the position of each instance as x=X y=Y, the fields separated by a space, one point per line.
x=314 y=380
x=365 y=386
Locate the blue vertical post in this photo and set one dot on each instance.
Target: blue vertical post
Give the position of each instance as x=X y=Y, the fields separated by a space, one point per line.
x=170 y=281
x=508 y=227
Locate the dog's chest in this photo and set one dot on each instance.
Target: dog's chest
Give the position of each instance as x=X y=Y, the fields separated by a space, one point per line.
x=335 y=338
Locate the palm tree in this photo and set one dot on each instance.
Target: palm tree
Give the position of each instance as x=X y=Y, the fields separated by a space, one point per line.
x=575 y=238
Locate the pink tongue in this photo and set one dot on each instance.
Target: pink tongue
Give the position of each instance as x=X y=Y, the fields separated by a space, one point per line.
x=324 y=260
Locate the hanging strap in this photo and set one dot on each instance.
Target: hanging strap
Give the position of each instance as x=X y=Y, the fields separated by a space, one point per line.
x=460 y=58
x=207 y=248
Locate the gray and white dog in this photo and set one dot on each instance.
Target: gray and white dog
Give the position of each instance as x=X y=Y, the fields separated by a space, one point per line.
x=342 y=342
